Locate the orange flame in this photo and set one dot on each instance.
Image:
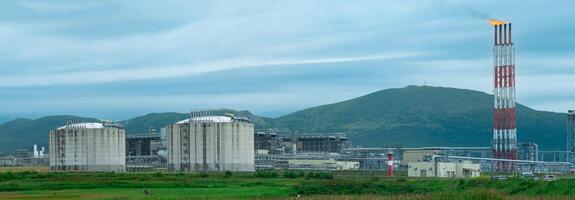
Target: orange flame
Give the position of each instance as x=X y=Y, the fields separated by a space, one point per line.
x=496 y=22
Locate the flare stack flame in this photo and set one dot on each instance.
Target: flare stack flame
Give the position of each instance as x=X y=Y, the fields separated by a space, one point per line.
x=496 y=22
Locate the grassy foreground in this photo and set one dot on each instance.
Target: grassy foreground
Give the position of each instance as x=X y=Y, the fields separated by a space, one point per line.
x=268 y=185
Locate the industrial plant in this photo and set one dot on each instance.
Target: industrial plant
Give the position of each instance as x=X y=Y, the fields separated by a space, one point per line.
x=209 y=142
x=88 y=146
x=300 y=100
x=23 y=157
x=206 y=142
x=146 y=151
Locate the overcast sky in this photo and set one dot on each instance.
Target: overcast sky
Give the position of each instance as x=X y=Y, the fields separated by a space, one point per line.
x=118 y=59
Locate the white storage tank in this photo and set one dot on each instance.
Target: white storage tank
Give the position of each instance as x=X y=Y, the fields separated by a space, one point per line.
x=211 y=143
x=95 y=147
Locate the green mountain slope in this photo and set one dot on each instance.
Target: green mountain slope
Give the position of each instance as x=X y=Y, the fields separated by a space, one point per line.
x=23 y=133
x=159 y=120
x=140 y=125
x=409 y=117
x=423 y=116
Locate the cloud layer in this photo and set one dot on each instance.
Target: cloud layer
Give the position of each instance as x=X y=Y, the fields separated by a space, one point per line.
x=116 y=59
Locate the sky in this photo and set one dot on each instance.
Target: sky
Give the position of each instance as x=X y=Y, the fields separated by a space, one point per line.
x=117 y=59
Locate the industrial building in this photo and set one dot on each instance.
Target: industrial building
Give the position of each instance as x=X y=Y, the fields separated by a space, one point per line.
x=98 y=147
x=145 y=152
x=443 y=169
x=24 y=158
x=435 y=162
x=38 y=153
x=267 y=142
x=205 y=142
x=418 y=155
x=316 y=143
x=328 y=164
x=504 y=125
x=272 y=143
x=304 y=151
x=143 y=144
x=306 y=161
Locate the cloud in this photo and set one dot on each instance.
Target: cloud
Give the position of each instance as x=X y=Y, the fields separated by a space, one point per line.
x=44 y=7
x=270 y=103
x=111 y=50
x=119 y=75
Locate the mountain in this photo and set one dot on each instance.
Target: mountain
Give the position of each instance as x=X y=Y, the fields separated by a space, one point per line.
x=423 y=116
x=141 y=124
x=23 y=133
x=409 y=117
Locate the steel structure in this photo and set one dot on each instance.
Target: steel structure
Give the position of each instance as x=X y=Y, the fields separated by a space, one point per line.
x=509 y=160
x=556 y=156
x=310 y=143
x=527 y=151
x=571 y=134
x=504 y=129
x=144 y=163
x=267 y=140
x=143 y=144
x=520 y=165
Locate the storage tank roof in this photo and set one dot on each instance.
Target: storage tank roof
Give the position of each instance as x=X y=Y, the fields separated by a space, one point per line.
x=86 y=125
x=217 y=119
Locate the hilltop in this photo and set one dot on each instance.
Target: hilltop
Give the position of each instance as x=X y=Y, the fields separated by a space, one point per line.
x=424 y=116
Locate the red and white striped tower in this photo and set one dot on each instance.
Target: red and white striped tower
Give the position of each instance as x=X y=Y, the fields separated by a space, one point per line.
x=504 y=130
x=389 y=164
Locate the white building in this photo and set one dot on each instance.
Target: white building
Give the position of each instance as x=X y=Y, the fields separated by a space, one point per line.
x=322 y=164
x=211 y=143
x=94 y=147
x=38 y=153
x=443 y=169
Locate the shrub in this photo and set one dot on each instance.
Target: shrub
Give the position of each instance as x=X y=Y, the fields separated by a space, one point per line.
x=21 y=175
x=310 y=175
x=266 y=174
x=111 y=174
x=290 y=174
x=324 y=175
x=158 y=174
x=227 y=174
x=320 y=175
x=7 y=176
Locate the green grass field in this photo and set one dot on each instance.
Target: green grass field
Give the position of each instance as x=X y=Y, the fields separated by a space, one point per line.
x=23 y=169
x=281 y=185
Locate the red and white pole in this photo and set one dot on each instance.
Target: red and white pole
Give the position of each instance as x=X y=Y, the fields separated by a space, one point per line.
x=390 y=164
